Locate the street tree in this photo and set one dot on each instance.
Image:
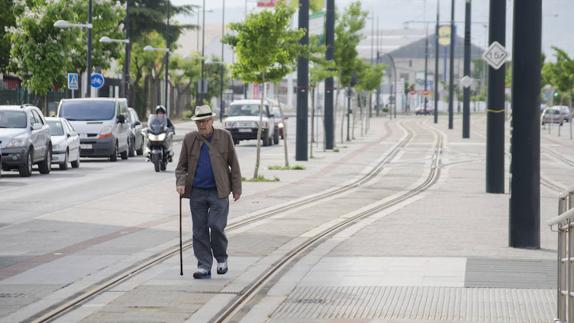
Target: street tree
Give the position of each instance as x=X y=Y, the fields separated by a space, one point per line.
x=369 y=80
x=7 y=20
x=40 y=52
x=560 y=74
x=347 y=37
x=266 y=50
x=146 y=69
x=321 y=69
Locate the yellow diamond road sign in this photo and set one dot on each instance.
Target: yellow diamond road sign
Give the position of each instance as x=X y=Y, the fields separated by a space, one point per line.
x=495 y=55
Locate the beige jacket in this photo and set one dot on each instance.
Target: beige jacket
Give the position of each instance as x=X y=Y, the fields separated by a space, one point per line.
x=224 y=163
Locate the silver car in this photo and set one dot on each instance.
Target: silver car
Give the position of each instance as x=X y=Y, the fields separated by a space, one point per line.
x=25 y=139
x=136 y=136
x=564 y=111
x=552 y=115
x=65 y=143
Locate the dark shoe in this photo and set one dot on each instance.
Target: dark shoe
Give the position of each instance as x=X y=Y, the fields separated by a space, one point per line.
x=202 y=274
x=222 y=268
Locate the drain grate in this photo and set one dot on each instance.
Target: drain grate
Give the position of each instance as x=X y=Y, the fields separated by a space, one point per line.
x=419 y=303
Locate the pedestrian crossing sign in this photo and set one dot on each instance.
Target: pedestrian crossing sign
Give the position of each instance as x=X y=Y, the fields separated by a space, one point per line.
x=73 y=81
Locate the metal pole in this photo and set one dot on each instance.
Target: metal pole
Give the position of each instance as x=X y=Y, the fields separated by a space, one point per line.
x=167 y=61
x=451 y=67
x=525 y=183
x=426 y=70
x=89 y=60
x=197 y=38
x=466 y=104
x=378 y=93
x=127 y=60
x=349 y=92
x=201 y=81
x=495 y=104
x=329 y=82
x=221 y=105
x=302 y=86
x=436 y=61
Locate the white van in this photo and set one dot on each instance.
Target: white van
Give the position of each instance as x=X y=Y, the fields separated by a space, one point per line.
x=101 y=124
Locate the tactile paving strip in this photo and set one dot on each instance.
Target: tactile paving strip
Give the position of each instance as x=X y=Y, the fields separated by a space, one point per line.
x=419 y=303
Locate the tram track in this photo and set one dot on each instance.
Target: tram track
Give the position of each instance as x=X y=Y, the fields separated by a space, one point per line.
x=236 y=306
x=70 y=303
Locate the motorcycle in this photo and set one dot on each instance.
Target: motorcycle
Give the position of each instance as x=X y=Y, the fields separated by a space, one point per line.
x=158 y=139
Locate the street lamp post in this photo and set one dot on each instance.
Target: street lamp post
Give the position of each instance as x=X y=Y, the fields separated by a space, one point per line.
x=221 y=105
x=108 y=40
x=202 y=80
x=63 y=24
x=451 y=69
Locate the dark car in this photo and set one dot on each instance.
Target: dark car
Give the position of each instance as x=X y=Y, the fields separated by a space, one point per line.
x=421 y=110
x=25 y=139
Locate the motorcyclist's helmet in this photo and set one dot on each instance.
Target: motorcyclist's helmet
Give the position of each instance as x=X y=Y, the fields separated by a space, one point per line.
x=160 y=109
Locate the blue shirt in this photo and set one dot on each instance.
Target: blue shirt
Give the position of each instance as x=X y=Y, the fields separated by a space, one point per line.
x=204 y=174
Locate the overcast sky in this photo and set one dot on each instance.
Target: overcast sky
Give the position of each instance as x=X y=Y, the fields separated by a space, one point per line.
x=558 y=16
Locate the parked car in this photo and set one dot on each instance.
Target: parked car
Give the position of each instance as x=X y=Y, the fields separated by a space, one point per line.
x=552 y=115
x=101 y=124
x=280 y=120
x=242 y=120
x=65 y=143
x=25 y=139
x=136 y=136
x=421 y=110
x=564 y=112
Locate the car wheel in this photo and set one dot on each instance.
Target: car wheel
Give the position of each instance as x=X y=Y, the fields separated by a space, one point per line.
x=45 y=166
x=26 y=169
x=140 y=150
x=114 y=155
x=64 y=165
x=266 y=141
x=76 y=163
x=124 y=154
x=132 y=147
x=235 y=141
x=276 y=136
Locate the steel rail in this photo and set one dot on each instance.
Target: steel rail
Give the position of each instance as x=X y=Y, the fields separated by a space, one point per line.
x=69 y=304
x=241 y=300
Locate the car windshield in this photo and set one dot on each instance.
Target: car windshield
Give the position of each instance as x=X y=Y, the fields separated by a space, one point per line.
x=88 y=110
x=248 y=110
x=56 y=128
x=13 y=119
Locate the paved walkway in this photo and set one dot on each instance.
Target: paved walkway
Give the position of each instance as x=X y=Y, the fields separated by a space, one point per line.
x=441 y=257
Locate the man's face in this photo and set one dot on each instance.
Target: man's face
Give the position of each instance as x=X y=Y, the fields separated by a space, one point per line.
x=204 y=126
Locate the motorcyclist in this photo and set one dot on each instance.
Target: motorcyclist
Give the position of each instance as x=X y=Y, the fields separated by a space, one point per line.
x=161 y=111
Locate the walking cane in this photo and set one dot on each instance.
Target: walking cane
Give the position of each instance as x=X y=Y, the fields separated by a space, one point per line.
x=180 y=241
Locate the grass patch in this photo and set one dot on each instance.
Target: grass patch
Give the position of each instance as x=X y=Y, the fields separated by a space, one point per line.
x=293 y=167
x=260 y=179
x=336 y=150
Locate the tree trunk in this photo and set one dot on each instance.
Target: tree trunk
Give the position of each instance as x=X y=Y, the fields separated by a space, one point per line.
x=257 y=160
x=312 y=122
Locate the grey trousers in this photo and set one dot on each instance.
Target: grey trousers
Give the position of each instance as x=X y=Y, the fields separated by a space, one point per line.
x=209 y=218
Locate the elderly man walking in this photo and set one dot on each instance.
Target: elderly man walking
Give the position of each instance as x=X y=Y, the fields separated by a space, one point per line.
x=207 y=172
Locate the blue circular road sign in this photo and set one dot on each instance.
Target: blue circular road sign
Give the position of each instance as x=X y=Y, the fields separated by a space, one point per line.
x=97 y=80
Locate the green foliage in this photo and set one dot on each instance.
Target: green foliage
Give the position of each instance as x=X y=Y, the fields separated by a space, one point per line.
x=150 y=15
x=370 y=76
x=7 y=19
x=321 y=68
x=561 y=73
x=42 y=54
x=294 y=167
x=347 y=37
x=266 y=48
x=260 y=179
